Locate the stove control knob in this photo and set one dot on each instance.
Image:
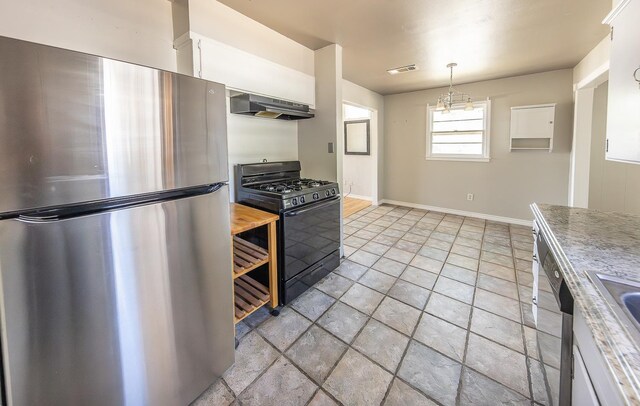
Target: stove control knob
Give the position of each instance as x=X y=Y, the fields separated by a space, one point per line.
x=301 y=199
x=333 y=191
x=327 y=193
x=294 y=201
x=316 y=196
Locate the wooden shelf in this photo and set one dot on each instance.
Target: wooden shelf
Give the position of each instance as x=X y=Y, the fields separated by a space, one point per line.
x=237 y=274
x=531 y=144
x=247 y=256
x=518 y=148
x=250 y=295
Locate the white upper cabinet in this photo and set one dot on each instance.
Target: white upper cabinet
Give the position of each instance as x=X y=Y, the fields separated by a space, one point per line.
x=532 y=127
x=623 y=111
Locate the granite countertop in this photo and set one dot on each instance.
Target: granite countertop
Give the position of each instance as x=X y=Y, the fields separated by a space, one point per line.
x=585 y=240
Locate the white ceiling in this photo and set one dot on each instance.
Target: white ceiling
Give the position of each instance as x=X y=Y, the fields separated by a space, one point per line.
x=487 y=38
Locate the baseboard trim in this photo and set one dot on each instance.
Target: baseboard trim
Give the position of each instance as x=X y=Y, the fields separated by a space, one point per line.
x=359 y=197
x=484 y=216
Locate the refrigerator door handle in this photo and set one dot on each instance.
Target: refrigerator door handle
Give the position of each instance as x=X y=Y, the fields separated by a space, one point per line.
x=84 y=209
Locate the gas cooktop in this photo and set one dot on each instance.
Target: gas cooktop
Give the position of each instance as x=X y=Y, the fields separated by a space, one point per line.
x=278 y=185
x=288 y=186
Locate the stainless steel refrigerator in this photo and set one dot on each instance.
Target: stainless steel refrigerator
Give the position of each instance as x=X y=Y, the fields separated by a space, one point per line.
x=115 y=252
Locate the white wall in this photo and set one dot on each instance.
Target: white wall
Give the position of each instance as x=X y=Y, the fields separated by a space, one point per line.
x=613 y=186
x=357 y=176
x=134 y=31
x=252 y=139
x=314 y=135
x=593 y=69
x=367 y=183
x=590 y=72
x=581 y=148
x=503 y=187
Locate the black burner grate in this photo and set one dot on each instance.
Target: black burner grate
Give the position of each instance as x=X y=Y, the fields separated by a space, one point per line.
x=289 y=186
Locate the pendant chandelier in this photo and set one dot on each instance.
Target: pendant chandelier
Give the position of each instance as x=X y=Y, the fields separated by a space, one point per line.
x=447 y=100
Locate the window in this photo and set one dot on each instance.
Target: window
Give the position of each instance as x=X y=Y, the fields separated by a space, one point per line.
x=459 y=134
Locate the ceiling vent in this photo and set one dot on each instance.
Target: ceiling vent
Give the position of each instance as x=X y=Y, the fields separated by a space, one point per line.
x=402 y=69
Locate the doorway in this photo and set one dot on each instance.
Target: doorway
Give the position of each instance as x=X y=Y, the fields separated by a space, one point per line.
x=359 y=158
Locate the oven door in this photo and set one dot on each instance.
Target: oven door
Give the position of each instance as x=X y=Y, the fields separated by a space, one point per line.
x=310 y=233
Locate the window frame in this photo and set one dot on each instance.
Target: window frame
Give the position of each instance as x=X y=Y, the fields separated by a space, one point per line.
x=486 y=136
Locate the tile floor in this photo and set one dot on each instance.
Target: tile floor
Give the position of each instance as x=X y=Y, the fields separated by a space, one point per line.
x=427 y=309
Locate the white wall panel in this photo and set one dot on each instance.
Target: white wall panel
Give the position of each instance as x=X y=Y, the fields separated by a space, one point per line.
x=252 y=139
x=240 y=70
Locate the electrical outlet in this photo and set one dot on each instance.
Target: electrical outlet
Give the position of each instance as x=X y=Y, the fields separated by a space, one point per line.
x=469 y=196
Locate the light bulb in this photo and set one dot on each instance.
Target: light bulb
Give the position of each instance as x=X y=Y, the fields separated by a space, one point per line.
x=468 y=105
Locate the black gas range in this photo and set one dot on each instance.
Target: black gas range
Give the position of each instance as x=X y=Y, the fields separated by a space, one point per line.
x=309 y=226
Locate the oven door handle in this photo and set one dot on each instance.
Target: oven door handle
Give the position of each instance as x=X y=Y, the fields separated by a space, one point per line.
x=312 y=207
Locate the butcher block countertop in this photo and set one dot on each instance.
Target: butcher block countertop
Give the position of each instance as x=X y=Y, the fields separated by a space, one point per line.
x=245 y=218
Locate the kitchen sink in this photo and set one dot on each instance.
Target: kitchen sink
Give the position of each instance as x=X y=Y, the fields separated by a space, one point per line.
x=623 y=297
x=631 y=302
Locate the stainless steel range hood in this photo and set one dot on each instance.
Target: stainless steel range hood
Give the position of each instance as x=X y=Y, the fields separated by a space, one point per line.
x=267 y=107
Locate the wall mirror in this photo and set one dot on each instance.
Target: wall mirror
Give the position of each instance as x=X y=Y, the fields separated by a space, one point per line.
x=356 y=137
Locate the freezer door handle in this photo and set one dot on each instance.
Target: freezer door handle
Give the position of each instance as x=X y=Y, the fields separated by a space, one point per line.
x=84 y=209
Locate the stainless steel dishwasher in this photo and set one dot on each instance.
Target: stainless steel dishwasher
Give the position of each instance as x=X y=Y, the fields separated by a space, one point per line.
x=554 y=329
